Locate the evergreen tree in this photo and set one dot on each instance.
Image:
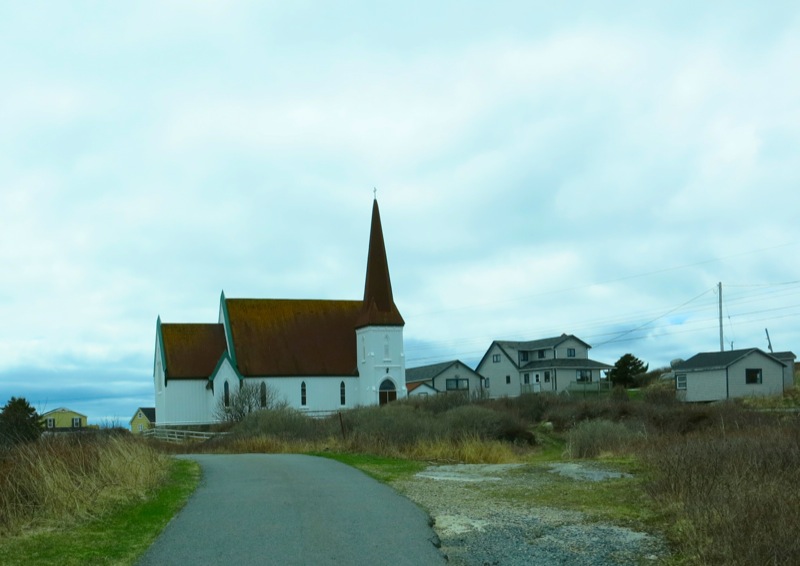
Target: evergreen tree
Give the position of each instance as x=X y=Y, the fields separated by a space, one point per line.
x=626 y=370
x=19 y=422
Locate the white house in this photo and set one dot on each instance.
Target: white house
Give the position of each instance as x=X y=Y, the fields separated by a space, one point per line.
x=713 y=376
x=446 y=377
x=548 y=365
x=317 y=355
x=420 y=389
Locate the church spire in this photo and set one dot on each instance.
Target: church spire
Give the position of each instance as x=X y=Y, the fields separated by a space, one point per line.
x=378 y=308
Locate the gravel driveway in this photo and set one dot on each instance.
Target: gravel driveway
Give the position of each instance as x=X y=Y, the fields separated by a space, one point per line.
x=478 y=528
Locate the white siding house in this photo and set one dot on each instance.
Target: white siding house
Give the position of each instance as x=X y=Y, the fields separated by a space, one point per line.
x=714 y=376
x=317 y=355
x=448 y=377
x=550 y=365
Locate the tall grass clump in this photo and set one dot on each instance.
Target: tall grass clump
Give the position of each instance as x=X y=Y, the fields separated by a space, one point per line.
x=62 y=479
x=589 y=439
x=734 y=495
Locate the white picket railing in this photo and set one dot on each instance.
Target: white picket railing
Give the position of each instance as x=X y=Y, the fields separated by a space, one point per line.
x=173 y=435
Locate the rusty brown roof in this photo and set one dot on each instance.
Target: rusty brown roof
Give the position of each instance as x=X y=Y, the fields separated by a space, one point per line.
x=192 y=351
x=286 y=337
x=378 y=308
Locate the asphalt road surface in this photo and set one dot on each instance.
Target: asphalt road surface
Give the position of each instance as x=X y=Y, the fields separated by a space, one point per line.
x=287 y=509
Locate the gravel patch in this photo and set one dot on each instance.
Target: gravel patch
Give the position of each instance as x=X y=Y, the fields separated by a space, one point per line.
x=477 y=529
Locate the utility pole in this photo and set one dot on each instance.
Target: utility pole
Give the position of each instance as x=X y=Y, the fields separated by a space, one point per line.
x=721 y=343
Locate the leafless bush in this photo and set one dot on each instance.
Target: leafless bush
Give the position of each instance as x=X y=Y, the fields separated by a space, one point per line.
x=735 y=493
x=249 y=398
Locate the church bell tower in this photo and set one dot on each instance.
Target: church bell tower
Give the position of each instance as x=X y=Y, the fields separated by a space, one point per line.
x=379 y=328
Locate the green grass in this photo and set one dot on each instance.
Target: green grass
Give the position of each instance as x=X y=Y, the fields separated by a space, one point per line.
x=622 y=501
x=120 y=538
x=383 y=469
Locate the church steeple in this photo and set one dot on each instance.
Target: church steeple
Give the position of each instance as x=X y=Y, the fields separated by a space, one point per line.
x=378 y=308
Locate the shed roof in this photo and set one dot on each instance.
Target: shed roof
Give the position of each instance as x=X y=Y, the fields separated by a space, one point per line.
x=192 y=351
x=294 y=337
x=718 y=360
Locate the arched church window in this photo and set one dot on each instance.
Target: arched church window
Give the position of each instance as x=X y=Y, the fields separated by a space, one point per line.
x=342 y=399
x=226 y=394
x=303 y=394
x=263 y=395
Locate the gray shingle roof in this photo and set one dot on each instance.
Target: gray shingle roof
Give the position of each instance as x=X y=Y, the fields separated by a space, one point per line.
x=577 y=363
x=717 y=360
x=542 y=344
x=427 y=373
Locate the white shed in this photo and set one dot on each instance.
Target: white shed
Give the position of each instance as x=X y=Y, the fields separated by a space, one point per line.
x=713 y=376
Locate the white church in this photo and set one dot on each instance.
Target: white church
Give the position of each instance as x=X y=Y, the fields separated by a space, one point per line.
x=317 y=355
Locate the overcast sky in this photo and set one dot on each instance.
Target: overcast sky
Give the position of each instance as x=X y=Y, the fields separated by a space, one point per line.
x=594 y=169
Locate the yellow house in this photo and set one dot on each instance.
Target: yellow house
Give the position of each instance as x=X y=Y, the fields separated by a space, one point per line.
x=143 y=419
x=62 y=419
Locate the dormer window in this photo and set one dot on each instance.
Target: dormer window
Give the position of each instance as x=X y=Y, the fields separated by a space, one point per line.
x=540 y=354
x=523 y=356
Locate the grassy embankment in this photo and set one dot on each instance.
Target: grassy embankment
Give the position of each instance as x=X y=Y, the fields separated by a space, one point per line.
x=87 y=499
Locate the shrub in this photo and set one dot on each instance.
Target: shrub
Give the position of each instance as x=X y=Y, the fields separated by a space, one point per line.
x=589 y=439
x=481 y=423
x=284 y=423
x=19 y=422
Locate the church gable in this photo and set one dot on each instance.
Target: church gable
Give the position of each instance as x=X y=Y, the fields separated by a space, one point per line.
x=191 y=351
x=283 y=337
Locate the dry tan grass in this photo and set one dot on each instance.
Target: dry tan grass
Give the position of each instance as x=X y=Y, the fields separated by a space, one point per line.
x=63 y=479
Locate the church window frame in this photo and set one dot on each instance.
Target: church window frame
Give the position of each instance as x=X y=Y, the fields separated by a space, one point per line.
x=342 y=394
x=303 y=394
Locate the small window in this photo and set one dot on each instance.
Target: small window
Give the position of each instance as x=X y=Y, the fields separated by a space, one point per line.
x=263 y=395
x=342 y=397
x=526 y=378
x=141 y=416
x=141 y=428
x=486 y=383
x=536 y=378
x=508 y=380
x=523 y=356
x=680 y=381
x=226 y=394
x=457 y=384
x=495 y=358
x=570 y=352
x=51 y=423
x=540 y=354
x=76 y=422
x=584 y=375
x=303 y=394
x=752 y=376
x=547 y=377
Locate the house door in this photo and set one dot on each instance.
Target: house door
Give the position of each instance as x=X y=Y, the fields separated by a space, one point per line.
x=387 y=392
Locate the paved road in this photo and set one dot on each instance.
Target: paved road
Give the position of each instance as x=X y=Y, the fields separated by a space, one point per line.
x=288 y=510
